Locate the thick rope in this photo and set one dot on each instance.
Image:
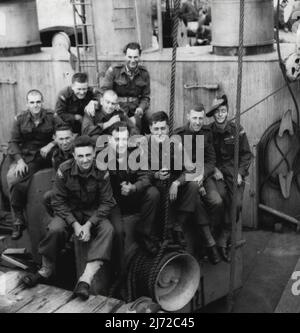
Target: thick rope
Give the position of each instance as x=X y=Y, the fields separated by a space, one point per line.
x=236 y=154
x=164 y=245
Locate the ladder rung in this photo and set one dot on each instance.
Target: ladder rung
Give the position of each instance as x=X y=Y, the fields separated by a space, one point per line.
x=120 y=8
x=85 y=45
x=81 y=3
x=88 y=60
x=84 y=25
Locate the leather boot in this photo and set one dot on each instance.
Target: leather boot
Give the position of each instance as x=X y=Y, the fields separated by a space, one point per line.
x=213 y=255
x=82 y=290
x=18 y=227
x=224 y=253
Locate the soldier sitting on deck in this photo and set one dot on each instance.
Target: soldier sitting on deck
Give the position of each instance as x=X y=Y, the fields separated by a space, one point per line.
x=82 y=201
x=183 y=193
x=75 y=99
x=131 y=186
x=108 y=114
x=195 y=128
x=131 y=82
x=29 y=147
x=224 y=139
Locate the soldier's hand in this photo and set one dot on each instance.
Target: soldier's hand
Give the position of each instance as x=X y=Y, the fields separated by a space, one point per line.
x=21 y=168
x=77 y=229
x=46 y=149
x=86 y=231
x=199 y=180
x=90 y=109
x=133 y=120
x=218 y=174
x=113 y=120
x=127 y=188
x=173 y=191
x=139 y=112
x=239 y=179
x=78 y=117
x=162 y=174
x=202 y=191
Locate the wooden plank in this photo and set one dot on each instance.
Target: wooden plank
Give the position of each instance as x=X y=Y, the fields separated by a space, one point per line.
x=47 y=300
x=290 y=303
x=21 y=297
x=106 y=304
x=95 y=304
x=78 y=306
x=12 y=305
x=12 y=280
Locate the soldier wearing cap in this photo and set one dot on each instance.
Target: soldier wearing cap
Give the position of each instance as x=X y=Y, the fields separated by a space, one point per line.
x=29 y=147
x=195 y=127
x=131 y=82
x=74 y=100
x=224 y=134
x=82 y=201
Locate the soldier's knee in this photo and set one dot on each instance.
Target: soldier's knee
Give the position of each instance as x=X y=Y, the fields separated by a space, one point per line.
x=214 y=199
x=192 y=187
x=153 y=194
x=107 y=228
x=56 y=227
x=47 y=195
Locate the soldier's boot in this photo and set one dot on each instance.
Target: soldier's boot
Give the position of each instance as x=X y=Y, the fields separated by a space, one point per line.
x=41 y=276
x=210 y=244
x=177 y=231
x=82 y=289
x=17 y=228
x=222 y=244
x=178 y=237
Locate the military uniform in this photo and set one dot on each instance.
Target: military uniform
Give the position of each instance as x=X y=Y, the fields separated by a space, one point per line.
x=145 y=200
x=80 y=197
x=68 y=105
x=214 y=205
x=209 y=152
x=93 y=126
x=224 y=146
x=58 y=156
x=188 y=203
x=133 y=91
x=27 y=138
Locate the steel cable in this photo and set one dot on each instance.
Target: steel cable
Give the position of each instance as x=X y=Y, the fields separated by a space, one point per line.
x=236 y=154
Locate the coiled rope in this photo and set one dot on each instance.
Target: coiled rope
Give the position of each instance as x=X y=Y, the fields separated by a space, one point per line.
x=143 y=269
x=164 y=245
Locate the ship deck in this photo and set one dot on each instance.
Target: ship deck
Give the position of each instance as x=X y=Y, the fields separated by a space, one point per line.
x=48 y=299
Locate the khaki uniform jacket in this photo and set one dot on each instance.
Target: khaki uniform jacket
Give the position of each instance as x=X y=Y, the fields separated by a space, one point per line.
x=76 y=194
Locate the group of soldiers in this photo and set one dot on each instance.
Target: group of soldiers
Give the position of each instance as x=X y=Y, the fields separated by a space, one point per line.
x=89 y=200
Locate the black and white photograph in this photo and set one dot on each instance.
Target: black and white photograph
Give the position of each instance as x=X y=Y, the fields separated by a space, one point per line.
x=150 y=159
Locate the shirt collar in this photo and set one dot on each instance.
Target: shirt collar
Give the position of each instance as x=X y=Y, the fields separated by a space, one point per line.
x=42 y=115
x=127 y=71
x=227 y=128
x=76 y=172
